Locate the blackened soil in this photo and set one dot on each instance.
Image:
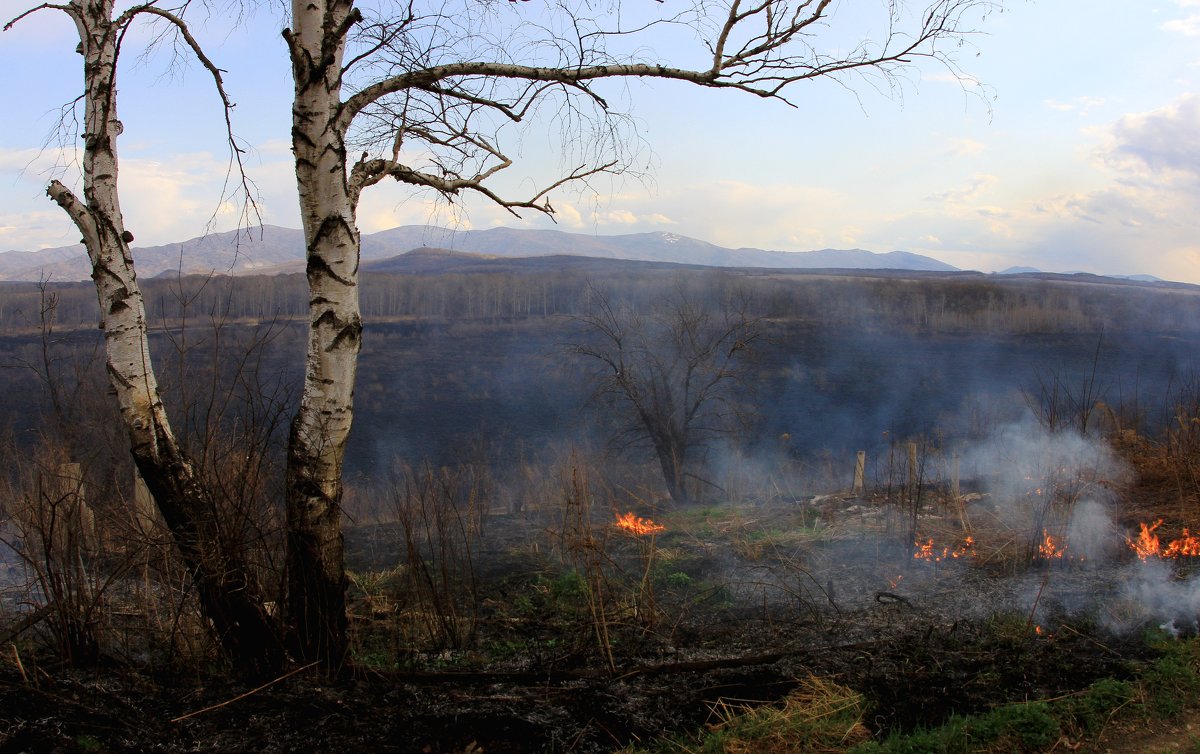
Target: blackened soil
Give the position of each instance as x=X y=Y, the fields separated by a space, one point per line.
x=920 y=641
x=915 y=673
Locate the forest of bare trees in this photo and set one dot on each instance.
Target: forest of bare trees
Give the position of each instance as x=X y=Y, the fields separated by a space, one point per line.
x=965 y=303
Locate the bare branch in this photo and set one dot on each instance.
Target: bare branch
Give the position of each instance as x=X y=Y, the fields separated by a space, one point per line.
x=83 y=218
x=251 y=214
x=368 y=172
x=44 y=6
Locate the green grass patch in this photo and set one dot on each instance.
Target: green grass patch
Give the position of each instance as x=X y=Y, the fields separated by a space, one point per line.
x=823 y=717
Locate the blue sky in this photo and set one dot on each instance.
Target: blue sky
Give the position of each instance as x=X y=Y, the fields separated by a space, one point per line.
x=1080 y=152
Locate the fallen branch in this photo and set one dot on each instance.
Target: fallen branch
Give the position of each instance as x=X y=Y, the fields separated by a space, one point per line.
x=251 y=692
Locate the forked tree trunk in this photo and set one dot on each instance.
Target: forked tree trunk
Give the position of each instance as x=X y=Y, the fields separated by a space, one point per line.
x=316 y=576
x=228 y=593
x=670 y=454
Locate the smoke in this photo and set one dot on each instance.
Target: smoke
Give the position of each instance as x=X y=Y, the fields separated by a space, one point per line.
x=1060 y=483
x=1024 y=456
x=1092 y=534
x=1151 y=592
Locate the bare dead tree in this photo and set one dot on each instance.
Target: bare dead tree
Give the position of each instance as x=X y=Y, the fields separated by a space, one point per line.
x=228 y=592
x=673 y=374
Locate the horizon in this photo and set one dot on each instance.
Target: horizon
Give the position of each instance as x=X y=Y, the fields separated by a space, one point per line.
x=1013 y=269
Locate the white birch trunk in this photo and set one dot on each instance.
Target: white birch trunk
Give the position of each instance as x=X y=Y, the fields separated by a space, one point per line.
x=316 y=576
x=228 y=597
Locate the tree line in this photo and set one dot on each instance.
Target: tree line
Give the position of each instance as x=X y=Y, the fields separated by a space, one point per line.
x=940 y=304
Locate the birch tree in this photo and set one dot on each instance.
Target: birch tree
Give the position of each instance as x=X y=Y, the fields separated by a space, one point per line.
x=229 y=596
x=434 y=94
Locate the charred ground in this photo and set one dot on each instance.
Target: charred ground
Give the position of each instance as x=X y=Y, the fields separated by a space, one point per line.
x=496 y=605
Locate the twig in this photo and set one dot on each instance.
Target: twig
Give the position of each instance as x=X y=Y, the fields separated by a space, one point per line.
x=248 y=693
x=1038 y=599
x=1110 y=650
x=20 y=665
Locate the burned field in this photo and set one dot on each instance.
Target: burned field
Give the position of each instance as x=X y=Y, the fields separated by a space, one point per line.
x=580 y=626
x=918 y=525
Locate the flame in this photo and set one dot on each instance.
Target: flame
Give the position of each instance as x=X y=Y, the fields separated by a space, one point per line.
x=894 y=582
x=1185 y=546
x=1051 y=548
x=925 y=550
x=638 y=526
x=1148 y=544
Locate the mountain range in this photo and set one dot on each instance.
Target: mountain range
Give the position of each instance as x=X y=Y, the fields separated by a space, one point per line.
x=274 y=250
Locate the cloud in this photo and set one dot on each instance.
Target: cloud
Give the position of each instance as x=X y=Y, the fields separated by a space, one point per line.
x=617 y=217
x=965 y=147
x=978 y=184
x=1189 y=25
x=782 y=216
x=1162 y=145
x=1130 y=207
x=1082 y=105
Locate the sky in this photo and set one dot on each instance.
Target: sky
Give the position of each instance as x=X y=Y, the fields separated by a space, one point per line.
x=1072 y=144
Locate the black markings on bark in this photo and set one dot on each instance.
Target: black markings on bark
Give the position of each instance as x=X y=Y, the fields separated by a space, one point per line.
x=117 y=376
x=317 y=267
x=349 y=334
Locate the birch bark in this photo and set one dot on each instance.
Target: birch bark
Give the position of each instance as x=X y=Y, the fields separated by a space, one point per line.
x=317 y=444
x=229 y=596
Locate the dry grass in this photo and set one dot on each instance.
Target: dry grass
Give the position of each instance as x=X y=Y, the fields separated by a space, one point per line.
x=818 y=717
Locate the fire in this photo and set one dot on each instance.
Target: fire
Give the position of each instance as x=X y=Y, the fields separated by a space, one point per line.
x=1043 y=632
x=1051 y=548
x=1148 y=544
x=638 y=526
x=925 y=550
x=1185 y=546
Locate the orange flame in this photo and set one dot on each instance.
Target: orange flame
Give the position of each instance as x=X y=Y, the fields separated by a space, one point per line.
x=925 y=550
x=1148 y=544
x=1185 y=546
x=1051 y=548
x=638 y=526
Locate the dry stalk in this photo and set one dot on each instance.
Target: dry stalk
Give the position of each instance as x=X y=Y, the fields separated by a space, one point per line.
x=20 y=665
x=251 y=692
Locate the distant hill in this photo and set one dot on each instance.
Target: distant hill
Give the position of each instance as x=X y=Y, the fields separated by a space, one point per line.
x=249 y=252
x=273 y=250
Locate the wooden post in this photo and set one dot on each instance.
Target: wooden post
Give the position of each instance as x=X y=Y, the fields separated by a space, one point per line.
x=860 y=468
